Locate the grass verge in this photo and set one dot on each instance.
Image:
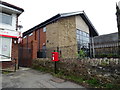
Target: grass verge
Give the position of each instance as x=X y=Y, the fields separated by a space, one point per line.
x=82 y=80
x=6 y=72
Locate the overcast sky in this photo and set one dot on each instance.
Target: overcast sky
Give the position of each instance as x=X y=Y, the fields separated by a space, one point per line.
x=100 y=12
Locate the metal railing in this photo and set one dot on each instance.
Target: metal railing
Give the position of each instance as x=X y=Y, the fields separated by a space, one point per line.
x=106 y=49
x=13 y=59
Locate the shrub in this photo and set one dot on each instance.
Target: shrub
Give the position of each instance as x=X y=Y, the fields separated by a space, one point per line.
x=81 y=54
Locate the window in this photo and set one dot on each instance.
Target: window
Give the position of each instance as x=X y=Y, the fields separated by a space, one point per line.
x=82 y=40
x=44 y=29
x=5 y=48
x=6 y=18
x=82 y=37
x=30 y=34
x=24 y=37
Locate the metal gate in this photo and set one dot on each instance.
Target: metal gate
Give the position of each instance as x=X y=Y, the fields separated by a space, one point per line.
x=25 y=57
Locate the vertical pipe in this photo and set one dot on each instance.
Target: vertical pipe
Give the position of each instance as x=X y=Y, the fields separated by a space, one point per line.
x=15 y=65
x=39 y=41
x=27 y=62
x=18 y=56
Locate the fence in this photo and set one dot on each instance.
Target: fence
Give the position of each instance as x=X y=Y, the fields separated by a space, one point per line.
x=10 y=65
x=72 y=51
x=99 y=50
x=106 y=49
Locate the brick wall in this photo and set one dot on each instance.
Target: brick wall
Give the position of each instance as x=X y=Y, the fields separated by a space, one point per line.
x=42 y=38
x=34 y=40
x=34 y=49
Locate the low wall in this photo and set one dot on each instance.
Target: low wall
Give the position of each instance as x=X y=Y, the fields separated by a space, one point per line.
x=105 y=70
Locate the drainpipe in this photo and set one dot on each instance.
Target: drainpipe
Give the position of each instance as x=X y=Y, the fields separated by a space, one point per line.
x=39 y=41
x=27 y=41
x=27 y=51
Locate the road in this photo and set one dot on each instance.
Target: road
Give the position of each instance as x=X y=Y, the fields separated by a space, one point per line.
x=29 y=78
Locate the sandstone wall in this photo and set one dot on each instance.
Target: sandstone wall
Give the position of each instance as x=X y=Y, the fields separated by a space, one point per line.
x=62 y=33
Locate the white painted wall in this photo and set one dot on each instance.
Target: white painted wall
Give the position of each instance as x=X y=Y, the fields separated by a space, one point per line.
x=10 y=27
x=81 y=25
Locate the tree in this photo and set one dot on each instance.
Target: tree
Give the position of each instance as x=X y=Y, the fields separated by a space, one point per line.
x=118 y=25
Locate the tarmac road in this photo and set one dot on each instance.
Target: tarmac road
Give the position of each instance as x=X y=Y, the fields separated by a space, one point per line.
x=29 y=78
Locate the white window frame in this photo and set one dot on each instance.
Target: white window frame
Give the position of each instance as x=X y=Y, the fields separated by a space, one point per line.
x=10 y=51
x=44 y=29
x=2 y=18
x=0 y=47
x=24 y=36
x=30 y=34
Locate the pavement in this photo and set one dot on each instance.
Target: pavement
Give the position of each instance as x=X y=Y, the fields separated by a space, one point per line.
x=29 y=78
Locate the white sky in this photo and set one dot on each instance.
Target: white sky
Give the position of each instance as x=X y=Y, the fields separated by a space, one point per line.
x=100 y=12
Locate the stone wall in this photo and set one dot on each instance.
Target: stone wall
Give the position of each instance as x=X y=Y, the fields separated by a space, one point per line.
x=62 y=33
x=104 y=70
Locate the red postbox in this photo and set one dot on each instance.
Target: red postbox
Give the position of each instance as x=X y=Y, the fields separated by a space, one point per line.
x=55 y=56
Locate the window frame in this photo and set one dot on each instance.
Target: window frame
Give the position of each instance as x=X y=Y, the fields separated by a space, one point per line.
x=2 y=14
x=30 y=34
x=82 y=38
x=24 y=37
x=44 y=29
x=10 y=51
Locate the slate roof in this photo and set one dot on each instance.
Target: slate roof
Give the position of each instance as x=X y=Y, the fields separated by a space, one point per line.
x=112 y=37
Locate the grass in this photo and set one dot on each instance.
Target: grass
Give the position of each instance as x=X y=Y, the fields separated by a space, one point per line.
x=43 y=69
x=90 y=83
x=6 y=72
x=69 y=77
x=82 y=80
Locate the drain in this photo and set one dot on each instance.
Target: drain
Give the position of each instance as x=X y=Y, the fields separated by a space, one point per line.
x=57 y=80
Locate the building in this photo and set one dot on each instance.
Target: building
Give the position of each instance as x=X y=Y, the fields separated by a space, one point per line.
x=9 y=34
x=106 y=45
x=67 y=33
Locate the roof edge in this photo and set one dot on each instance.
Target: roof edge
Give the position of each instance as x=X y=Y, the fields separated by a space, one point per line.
x=62 y=15
x=11 y=5
x=54 y=18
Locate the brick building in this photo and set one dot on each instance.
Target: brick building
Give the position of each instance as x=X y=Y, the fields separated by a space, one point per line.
x=68 y=32
x=9 y=34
